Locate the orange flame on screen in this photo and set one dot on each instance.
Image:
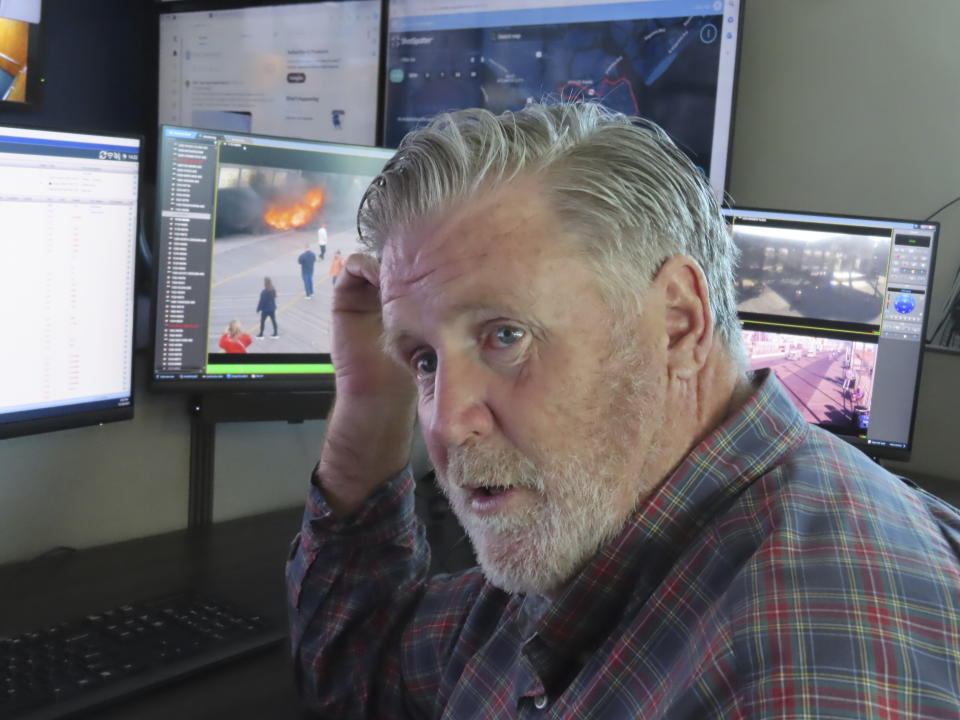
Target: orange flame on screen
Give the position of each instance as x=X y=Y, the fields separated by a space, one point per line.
x=295 y=214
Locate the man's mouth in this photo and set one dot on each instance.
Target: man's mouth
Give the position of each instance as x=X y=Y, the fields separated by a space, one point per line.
x=490 y=499
x=489 y=490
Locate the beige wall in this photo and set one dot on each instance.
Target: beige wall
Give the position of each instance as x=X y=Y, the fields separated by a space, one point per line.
x=853 y=106
x=95 y=485
x=844 y=106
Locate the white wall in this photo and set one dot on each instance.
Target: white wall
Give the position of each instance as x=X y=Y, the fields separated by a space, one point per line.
x=844 y=106
x=263 y=466
x=266 y=466
x=95 y=485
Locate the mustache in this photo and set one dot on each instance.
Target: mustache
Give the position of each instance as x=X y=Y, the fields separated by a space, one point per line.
x=471 y=467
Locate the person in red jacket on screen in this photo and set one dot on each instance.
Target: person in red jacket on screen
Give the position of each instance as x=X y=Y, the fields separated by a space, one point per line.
x=234 y=339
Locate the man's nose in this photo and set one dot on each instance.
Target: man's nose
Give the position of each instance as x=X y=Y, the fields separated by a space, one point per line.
x=460 y=413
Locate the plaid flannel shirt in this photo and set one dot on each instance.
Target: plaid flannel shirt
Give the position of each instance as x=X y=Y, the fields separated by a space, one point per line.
x=777 y=573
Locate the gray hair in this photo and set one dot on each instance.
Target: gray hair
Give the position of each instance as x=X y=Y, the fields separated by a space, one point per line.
x=619 y=183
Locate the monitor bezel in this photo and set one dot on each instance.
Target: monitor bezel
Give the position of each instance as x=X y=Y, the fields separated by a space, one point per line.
x=734 y=94
x=877 y=452
x=272 y=383
x=85 y=418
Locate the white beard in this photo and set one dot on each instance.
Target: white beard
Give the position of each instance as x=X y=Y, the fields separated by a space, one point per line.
x=534 y=549
x=574 y=503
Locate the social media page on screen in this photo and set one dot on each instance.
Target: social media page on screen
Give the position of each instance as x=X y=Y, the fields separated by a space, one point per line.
x=672 y=61
x=307 y=70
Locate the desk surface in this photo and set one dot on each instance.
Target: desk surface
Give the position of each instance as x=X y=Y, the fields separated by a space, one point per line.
x=239 y=561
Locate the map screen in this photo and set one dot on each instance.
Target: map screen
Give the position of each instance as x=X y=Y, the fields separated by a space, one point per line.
x=672 y=62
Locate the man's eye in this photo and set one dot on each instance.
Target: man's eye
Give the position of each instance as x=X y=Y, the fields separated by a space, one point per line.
x=425 y=363
x=508 y=335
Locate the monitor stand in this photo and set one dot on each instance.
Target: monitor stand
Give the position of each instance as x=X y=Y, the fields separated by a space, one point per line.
x=208 y=410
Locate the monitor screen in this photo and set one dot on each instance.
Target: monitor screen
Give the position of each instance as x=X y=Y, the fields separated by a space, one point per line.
x=68 y=228
x=837 y=307
x=672 y=61
x=306 y=70
x=252 y=234
x=19 y=51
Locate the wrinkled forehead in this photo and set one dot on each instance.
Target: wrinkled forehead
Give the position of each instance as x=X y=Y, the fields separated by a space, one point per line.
x=495 y=232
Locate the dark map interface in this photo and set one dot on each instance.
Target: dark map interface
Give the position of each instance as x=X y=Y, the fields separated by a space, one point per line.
x=664 y=69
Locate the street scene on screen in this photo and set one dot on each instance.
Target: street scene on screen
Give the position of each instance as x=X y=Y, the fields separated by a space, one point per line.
x=830 y=381
x=808 y=273
x=269 y=223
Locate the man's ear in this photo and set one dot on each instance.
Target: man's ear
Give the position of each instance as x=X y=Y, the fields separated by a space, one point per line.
x=689 y=323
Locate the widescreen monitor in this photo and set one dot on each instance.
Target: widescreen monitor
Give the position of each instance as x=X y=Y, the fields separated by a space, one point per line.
x=68 y=229
x=308 y=70
x=252 y=233
x=672 y=61
x=837 y=307
x=19 y=52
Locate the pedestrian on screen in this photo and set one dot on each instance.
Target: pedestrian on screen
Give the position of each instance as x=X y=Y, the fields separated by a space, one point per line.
x=307 y=259
x=267 y=307
x=336 y=266
x=234 y=339
x=322 y=241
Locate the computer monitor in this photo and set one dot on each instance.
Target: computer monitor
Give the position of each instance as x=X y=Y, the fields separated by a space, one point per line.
x=241 y=220
x=672 y=61
x=68 y=229
x=19 y=53
x=307 y=70
x=837 y=306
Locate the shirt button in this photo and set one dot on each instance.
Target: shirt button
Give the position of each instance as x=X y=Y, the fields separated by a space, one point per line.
x=540 y=702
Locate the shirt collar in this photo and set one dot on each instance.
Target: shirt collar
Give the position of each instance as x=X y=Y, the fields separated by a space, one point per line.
x=629 y=568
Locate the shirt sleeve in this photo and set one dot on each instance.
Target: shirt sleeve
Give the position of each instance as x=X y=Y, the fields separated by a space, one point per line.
x=352 y=586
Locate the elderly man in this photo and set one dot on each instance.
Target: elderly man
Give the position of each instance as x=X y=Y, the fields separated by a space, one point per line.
x=660 y=534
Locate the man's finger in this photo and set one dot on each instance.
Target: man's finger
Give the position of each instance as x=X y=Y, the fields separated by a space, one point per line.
x=361 y=265
x=357 y=290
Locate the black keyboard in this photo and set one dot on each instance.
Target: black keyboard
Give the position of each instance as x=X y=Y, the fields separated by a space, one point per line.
x=76 y=666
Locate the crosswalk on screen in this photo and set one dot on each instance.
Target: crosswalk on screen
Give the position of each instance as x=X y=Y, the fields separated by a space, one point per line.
x=672 y=61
